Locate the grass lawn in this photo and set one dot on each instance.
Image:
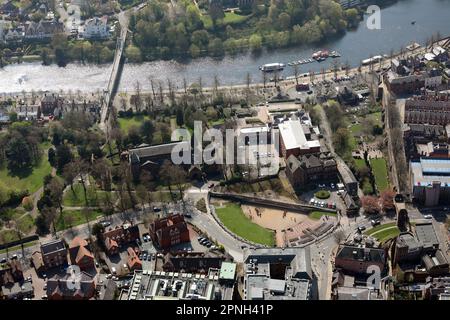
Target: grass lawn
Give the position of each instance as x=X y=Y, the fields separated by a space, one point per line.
x=236 y=221
x=360 y=164
x=33 y=181
x=376 y=116
x=387 y=234
x=126 y=123
x=77 y=218
x=356 y=129
x=233 y=18
x=316 y=215
x=76 y=199
x=380 y=227
x=380 y=173
x=8 y=235
x=26 y=223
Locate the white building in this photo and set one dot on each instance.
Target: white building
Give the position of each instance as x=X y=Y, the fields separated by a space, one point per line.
x=96 y=28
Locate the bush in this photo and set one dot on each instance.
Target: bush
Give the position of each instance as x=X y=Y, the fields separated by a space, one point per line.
x=201 y=205
x=322 y=194
x=27 y=203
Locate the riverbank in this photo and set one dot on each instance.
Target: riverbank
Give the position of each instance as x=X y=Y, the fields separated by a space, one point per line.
x=396 y=32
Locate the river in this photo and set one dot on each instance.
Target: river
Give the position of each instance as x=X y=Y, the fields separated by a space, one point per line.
x=431 y=16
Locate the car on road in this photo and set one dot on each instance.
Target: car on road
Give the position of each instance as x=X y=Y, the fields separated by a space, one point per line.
x=3 y=260
x=362 y=228
x=375 y=222
x=428 y=216
x=156 y=209
x=211 y=185
x=113 y=270
x=187 y=215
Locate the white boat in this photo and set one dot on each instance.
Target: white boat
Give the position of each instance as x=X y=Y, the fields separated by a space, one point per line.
x=270 y=67
x=372 y=60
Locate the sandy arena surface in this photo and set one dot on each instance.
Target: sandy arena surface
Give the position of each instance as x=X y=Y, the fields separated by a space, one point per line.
x=277 y=220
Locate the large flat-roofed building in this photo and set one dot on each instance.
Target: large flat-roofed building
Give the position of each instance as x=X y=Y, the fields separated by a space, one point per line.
x=160 y=285
x=294 y=141
x=355 y=259
x=430 y=179
x=278 y=274
x=256 y=135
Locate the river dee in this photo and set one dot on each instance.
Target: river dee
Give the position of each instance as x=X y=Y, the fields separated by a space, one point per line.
x=431 y=16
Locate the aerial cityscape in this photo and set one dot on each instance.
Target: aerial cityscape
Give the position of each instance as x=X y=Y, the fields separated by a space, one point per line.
x=224 y=150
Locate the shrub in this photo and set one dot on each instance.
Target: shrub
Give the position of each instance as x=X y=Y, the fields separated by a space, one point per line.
x=27 y=203
x=322 y=194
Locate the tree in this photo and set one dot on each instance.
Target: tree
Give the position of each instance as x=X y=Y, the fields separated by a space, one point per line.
x=255 y=42
x=56 y=191
x=69 y=174
x=63 y=156
x=341 y=140
x=133 y=53
x=18 y=155
x=147 y=130
x=52 y=157
x=370 y=204
x=215 y=11
x=387 y=200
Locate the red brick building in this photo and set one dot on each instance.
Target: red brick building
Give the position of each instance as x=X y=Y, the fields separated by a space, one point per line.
x=118 y=237
x=80 y=254
x=133 y=262
x=170 y=231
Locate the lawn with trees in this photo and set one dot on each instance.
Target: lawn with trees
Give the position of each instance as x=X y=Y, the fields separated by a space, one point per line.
x=204 y=28
x=237 y=222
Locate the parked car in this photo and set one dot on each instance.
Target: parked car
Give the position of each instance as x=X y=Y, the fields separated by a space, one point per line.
x=156 y=209
x=113 y=270
x=3 y=260
x=361 y=228
x=105 y=224
x=428 y=216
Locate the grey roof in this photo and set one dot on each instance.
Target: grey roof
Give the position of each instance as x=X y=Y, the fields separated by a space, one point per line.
x=361 y=254
x=65 y=286
x=261 y=287
x=426 y=234
x=407 y=239
x=353 y=293
x=53 y=246
x=298 y=258
x=157 y=150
